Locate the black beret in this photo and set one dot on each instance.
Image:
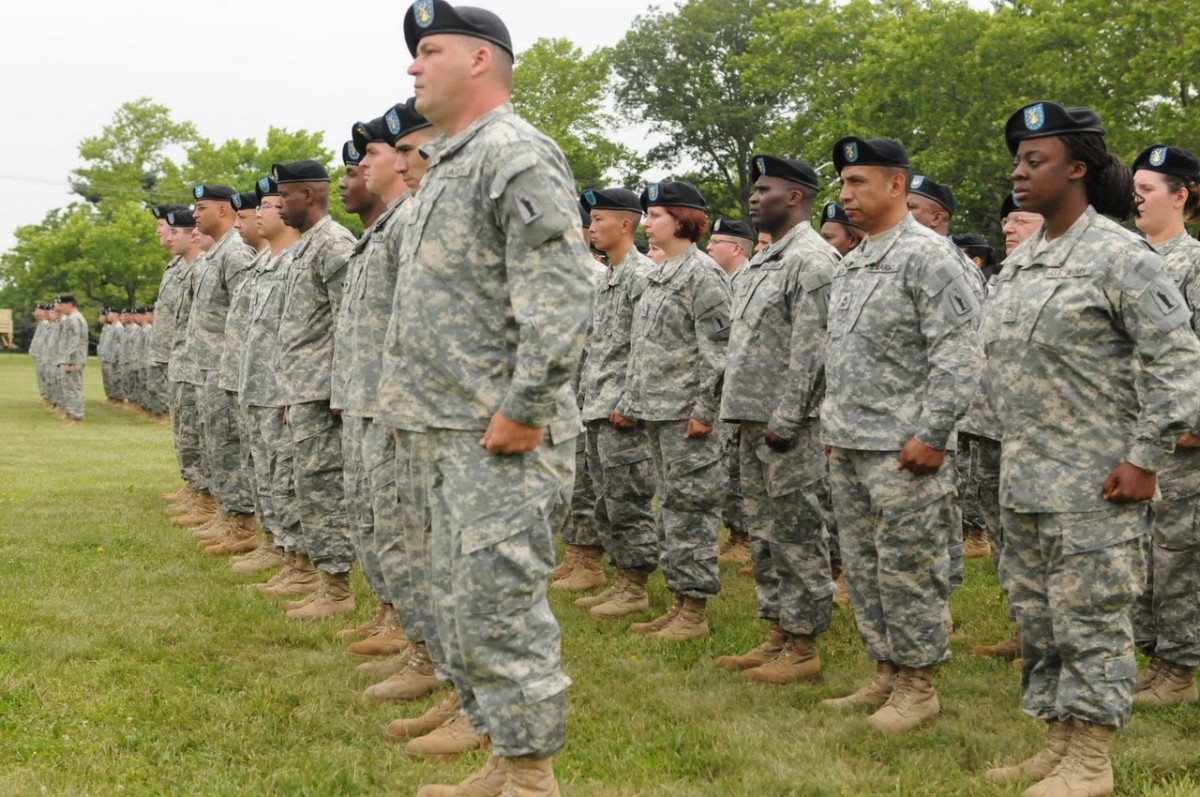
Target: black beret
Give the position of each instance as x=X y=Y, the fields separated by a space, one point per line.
x=1008 y=205
x=1043 y=119
x=428 y=17
x=305 y=171
x=247 y=200
x=585 y=218
x=931 y=189
x=610 y=199
x=181 y=218
x=266 y=186
x=795 y=171
x=735 y=227
x=402 y=119
x=1168 y=160
x=351 y=154
x=219 y=193
x=64 y=298
x=363 y=133
x=855 y=151
x=161 y=211
x=671 y=195
x=45 y=306
x=836 y=213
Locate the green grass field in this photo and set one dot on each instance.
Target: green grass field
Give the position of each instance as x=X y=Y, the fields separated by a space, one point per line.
x=131 y=664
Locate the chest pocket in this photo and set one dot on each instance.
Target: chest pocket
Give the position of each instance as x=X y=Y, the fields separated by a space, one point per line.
x=757 y=284
x=849 y=300
x=261 y=300
x=424 y=201
x=1062 y=308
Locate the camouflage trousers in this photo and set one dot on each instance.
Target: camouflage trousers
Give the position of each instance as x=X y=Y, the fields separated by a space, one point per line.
x=622 y=477
x=320 y=488
x=893 y=527
x=1073 y=578
x=271 y=453
x=985 y=477
x=156 y=388
x=402 y=538
x=71 y=391
x=733 y=513
x=580 y=526
x=825 y=496
x=493 y=519
x=1166 y=617
x=185 y=426
x=360 y=510
x=127 y=379
x=229 y=477
x=789 y=551
x=43 y=381
x=109 y=379
x=690 y=478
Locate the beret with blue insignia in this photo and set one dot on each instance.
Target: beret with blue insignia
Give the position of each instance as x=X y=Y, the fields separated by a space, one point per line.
x=429 y=17
x=351 y=154
x=265 y=186
x=64 y=298
x=790 y=169
x=247 y=200
x=1168 y=160
x=836 y=213
x=734 y=227
x=931 y=189
x=181 y=218
x=855 y=151
x=364 y=133
x=305 y=171
x=161 y=211
x=1044 y=119
x=610 y=199
x=402 y=119
x=671 y=195
x=217 y=193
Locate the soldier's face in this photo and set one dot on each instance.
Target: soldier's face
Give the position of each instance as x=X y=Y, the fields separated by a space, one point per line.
x=1019 y=226
x=207 y=216
x=379 y=168
x=410 y=163
x=608 y=228
x=352 y=188
x=292 y=204
x=768 y=202
x=870 y=192
x=270 y=222
x=1044 y=173
x=764 y=240
x=163 y=232
x=1158 y=207
x=925 y=211
x=441 y=75
x=660 y=226
x=178 y=242
x=837 y=236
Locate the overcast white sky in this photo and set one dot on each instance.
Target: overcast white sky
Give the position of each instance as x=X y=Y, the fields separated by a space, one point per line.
x=232 y=67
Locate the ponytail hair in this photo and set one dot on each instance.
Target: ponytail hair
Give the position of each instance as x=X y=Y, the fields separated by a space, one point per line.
x=1108 y=182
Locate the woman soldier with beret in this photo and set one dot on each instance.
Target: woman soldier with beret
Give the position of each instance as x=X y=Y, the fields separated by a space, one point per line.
x=1166 y=618
x=1073 y=306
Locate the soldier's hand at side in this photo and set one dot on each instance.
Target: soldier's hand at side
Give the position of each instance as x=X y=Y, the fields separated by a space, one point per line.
x=828 y=450
x=697 y=429
x=735 y=434
x=335 y=413
x=1189 y=440
x=775 y=442
x=1128 y=482
x=621 y=422
x=68 y=369
x=504 y=436
x=920 y=459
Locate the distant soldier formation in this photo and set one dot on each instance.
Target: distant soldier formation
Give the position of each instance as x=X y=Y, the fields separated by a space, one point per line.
x=862 y=399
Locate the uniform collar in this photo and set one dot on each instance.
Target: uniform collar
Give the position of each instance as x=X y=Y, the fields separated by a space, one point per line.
x=1168 y=246
x=445 y=147
x=1036 y=251
x=875 y=248
x=670 y=267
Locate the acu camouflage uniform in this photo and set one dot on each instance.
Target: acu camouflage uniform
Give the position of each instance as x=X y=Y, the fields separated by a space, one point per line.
x=492 y=307
x=72 y=350
x=182 y=377
x=37 y=350
x=775 y=379
x=107 y=356
x=902 y=362
x=314 y=291
x=1063 y=326
x=165 y=305
x=676 y=362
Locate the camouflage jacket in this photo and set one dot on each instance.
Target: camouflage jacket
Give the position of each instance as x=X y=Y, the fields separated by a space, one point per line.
x=169 y=291
x=267 y=284
x=224 y=267
x=775 y=368
x=181 y=367
x=606 y=364
x=492 y=297
x=230 y=369
x=1063 y=326
x=902 y=358
x=105 y=350
x=680 y=329
x=362 y=321
x=72 y=343
x=38 y=342
x=310 y=305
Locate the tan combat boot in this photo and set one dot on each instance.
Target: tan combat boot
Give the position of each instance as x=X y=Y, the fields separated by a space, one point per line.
x=530 y=776
x=630 y=598
x=912 y=702
x=736 y=549
x=242 y=537
x=384 y=667
x=570 y=555
x=200 y=512
x=798 y=661
x=1009 y=648
x=975 y=543
x=874 y=692
x=453 y=737
x=213 y=528
x=588 y=572
x=263 y=557
x=760 y=655
x=303 y=579
x=487 y=782
x=1041 y=763
x=1167 y=685
x=588 y=601
x=333 y=598
x=660 y=622
x=178 y=495
x=415 y=681
x=1085 y=770
x=363 y=630
x=689 y=623
x=404 y=728
x=284 y=573
x=745 y=571
x=387 y=640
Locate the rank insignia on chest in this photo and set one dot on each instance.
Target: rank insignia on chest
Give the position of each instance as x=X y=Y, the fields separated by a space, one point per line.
x=1035 y=117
